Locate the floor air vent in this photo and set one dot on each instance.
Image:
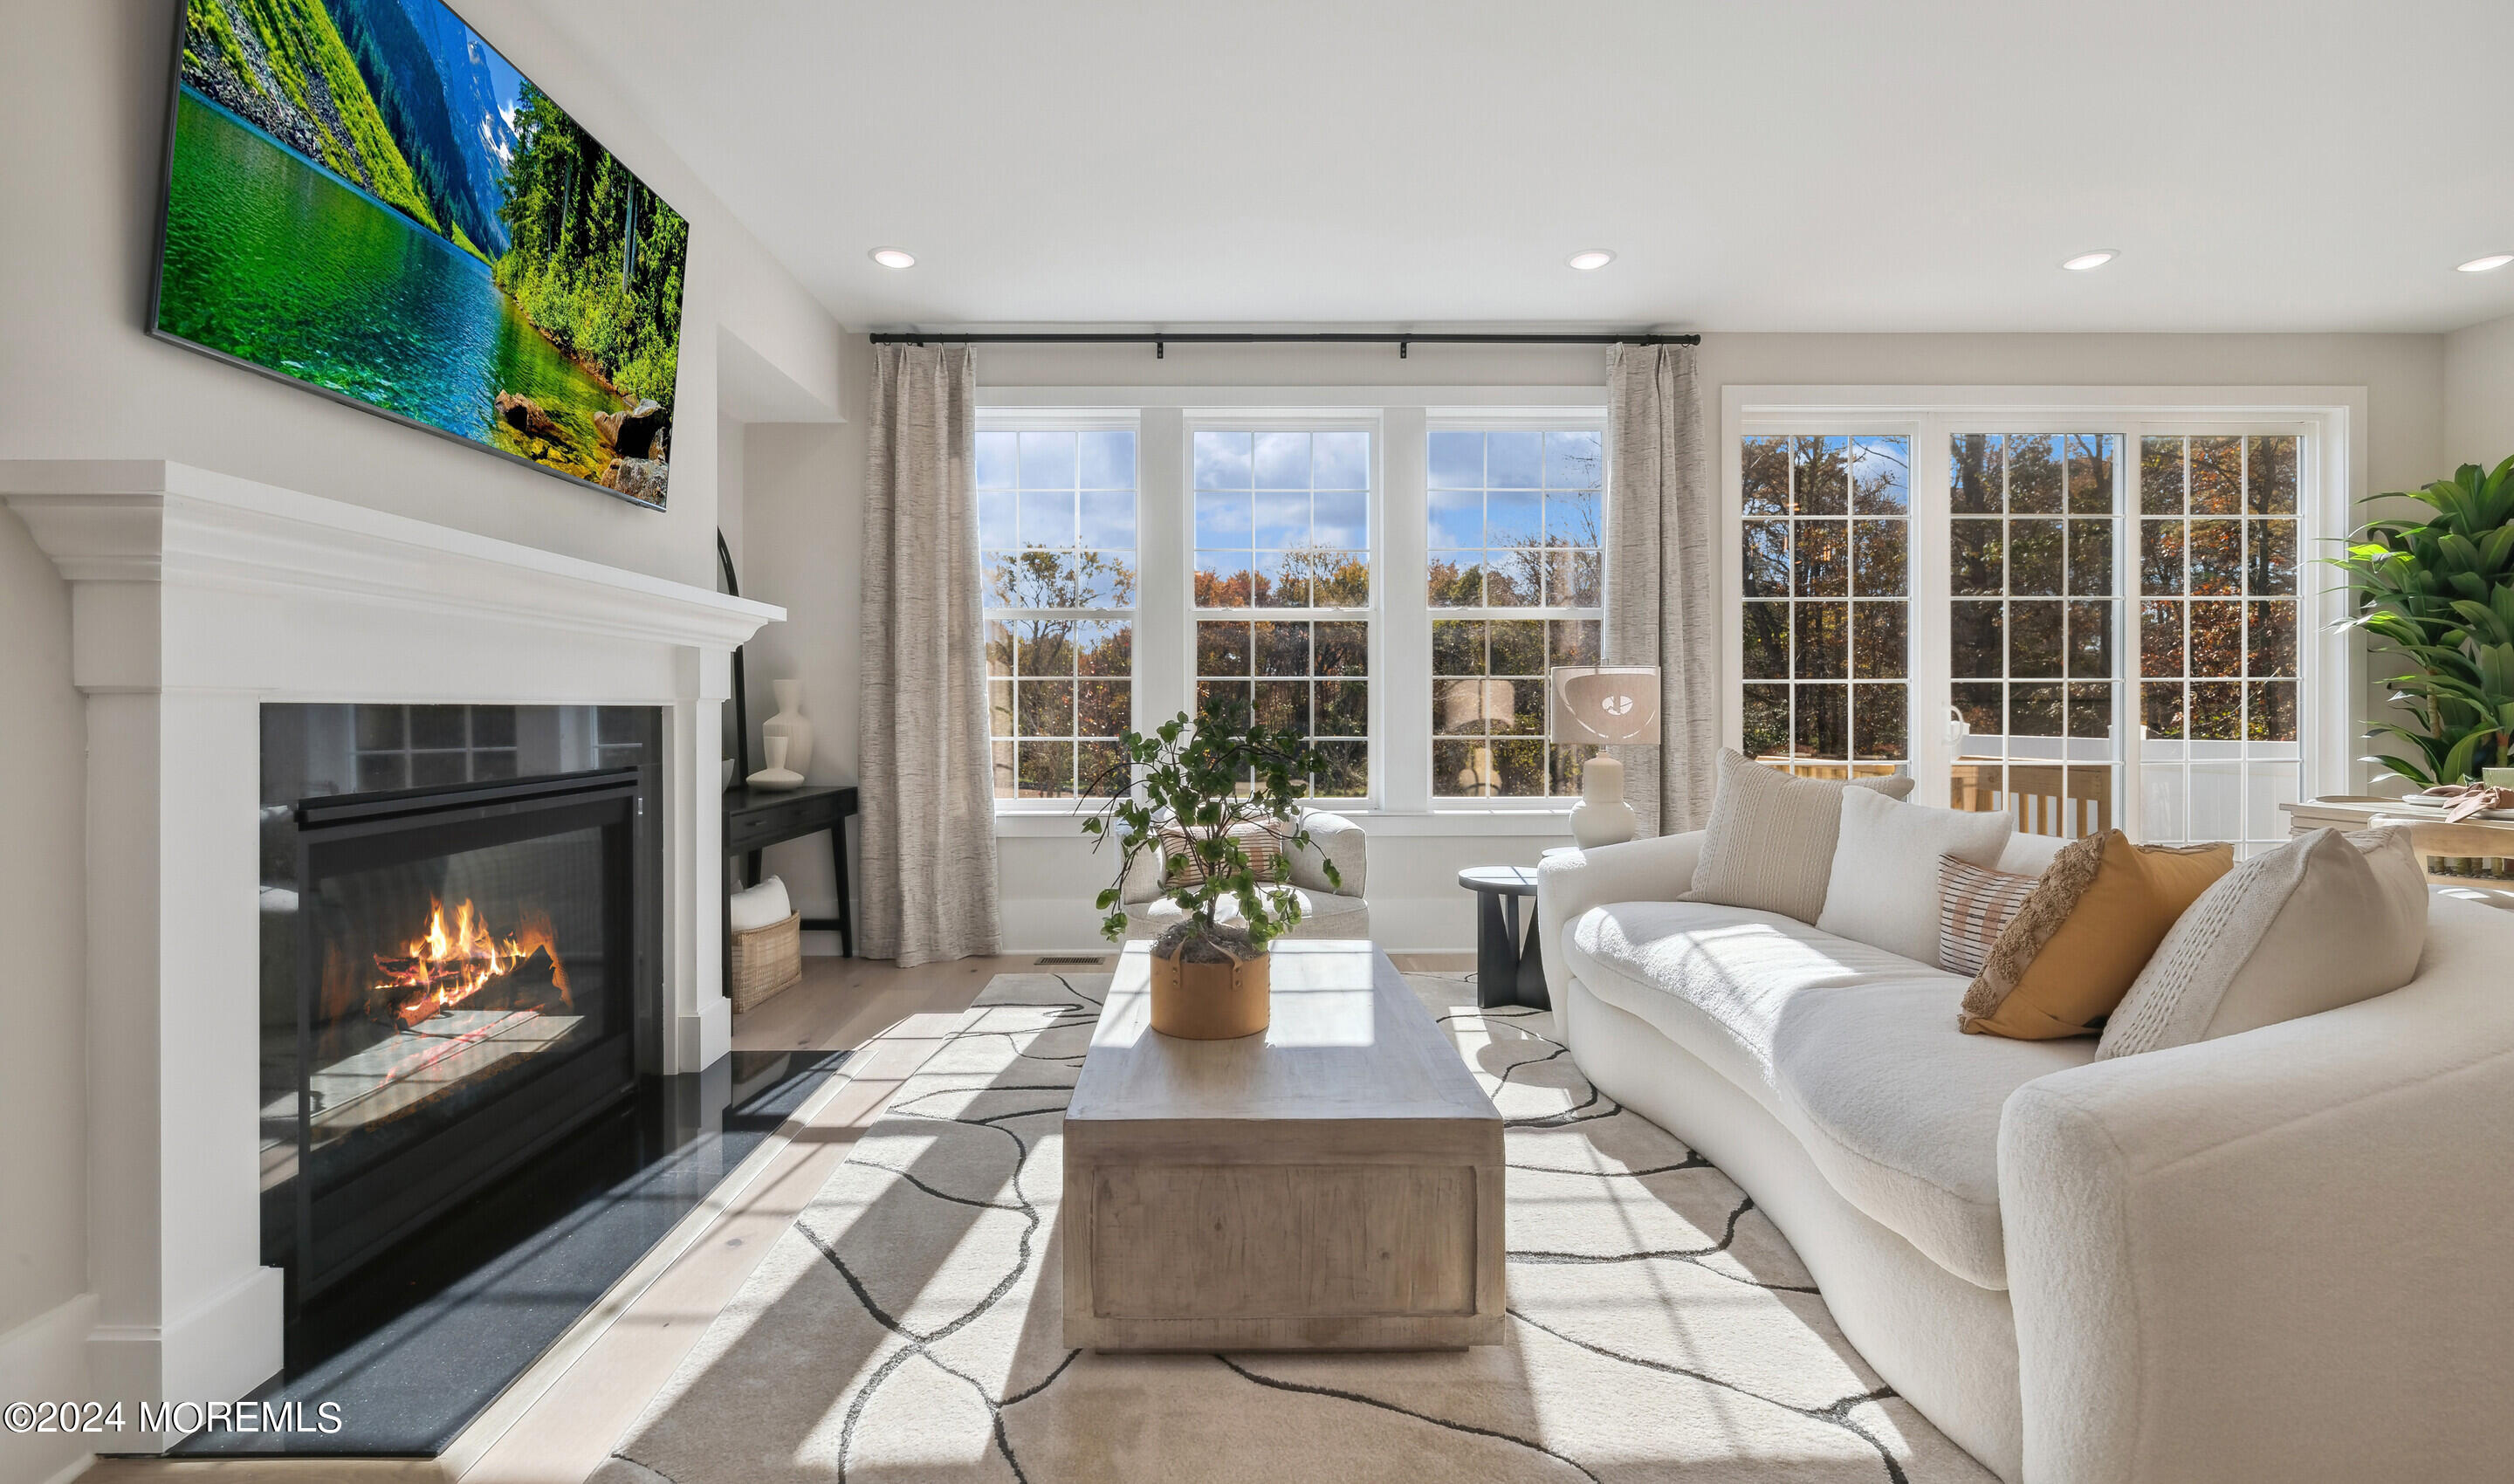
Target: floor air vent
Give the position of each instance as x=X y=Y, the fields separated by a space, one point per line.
x=1069 y=961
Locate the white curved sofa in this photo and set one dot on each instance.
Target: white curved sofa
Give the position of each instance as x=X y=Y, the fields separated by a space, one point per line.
x=2283 y=1255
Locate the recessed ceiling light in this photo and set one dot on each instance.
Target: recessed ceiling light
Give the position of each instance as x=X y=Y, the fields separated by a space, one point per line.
x=2084 y=262
x=2487 y=265
x=894 y=257
x=1590 y=260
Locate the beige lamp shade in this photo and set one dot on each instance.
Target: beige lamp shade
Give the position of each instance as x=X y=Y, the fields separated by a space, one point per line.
x=1609 y=705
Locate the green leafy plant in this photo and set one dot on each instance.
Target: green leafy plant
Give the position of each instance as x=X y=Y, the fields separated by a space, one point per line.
x=1220 y=770
x=2437 y=592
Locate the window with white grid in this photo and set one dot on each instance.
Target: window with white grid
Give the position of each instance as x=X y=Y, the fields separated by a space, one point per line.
x=1825 y=544
x=1515 y=517
x=1056 y=532
x=1281 y=594
x=2219 y=619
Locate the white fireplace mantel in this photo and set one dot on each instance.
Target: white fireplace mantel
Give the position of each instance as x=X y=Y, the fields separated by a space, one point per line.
x=195 y=598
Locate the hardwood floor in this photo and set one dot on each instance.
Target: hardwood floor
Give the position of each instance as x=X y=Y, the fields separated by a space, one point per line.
x=558 y=1421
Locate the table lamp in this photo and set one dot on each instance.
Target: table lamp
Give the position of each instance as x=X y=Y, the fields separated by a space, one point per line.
x=1610 y=706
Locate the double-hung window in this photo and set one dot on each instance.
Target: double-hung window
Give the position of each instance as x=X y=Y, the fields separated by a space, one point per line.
x=2092 y=621
x=1515 y=517
x=1056 y=532
x=1282 y=586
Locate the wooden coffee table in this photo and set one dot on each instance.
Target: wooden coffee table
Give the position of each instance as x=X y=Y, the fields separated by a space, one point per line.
x=1332 y=1185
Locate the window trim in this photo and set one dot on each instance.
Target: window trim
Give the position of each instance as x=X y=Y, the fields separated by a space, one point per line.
x=1400 y=417
x=2331 y=472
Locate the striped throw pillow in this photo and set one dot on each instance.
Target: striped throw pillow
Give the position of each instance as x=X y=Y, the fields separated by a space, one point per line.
x=1974 y=908
x=1258 y=840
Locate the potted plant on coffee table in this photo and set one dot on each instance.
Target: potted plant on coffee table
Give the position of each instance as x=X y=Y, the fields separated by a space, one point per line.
x=1217 y=801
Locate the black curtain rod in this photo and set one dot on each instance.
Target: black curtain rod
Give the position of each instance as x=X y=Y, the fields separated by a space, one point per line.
x=1160 y=342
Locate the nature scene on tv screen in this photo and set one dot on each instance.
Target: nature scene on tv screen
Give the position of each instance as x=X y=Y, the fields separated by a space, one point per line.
x=366 y=197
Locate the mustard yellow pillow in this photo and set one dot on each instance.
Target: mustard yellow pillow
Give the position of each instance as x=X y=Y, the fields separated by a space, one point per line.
x=2078 y=944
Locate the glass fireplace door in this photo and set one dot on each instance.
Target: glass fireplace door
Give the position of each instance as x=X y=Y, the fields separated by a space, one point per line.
x=463 y=997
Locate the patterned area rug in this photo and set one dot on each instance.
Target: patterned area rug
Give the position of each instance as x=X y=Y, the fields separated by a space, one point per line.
x=906 y=1326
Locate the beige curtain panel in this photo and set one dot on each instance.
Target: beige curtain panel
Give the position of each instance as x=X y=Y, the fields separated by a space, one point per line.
x=927 y=801
x=1662 y=584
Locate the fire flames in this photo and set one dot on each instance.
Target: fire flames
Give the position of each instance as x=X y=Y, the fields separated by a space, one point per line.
x=450 y=962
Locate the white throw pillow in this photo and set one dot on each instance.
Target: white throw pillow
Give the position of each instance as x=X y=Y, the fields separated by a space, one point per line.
x=1884 y=888
x=2323 y=921
x=755 y=908
x=1770 y=844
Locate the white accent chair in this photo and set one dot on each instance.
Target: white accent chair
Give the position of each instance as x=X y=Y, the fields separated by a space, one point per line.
x=2285 y=1254
x=1327 y=911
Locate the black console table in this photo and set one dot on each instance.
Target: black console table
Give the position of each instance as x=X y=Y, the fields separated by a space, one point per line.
x=755 y=819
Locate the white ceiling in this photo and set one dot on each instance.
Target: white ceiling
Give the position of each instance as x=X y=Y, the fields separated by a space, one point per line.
x=1758 y=166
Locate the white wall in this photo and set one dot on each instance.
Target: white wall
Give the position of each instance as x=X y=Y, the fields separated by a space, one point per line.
x=81 y=378
x=2479 y=396
x=1047 y=882
x=803 y=507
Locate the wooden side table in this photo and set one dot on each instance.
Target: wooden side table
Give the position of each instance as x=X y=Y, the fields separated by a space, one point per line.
x=1509 y=970
x=755 y=819
x=2487 y=844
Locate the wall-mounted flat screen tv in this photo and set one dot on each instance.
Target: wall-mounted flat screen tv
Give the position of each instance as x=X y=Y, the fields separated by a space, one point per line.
x=362 y=196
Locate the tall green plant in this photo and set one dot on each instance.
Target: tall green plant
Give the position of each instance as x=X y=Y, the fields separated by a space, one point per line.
x=2437 y=593
x=1219 y=771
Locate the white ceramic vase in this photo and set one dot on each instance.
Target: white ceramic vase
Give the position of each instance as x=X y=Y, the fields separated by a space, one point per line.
x=791 y=724
x=776 y=774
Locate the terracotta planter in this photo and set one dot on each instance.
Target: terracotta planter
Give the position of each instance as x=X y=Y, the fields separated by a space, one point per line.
x=1209 y=1002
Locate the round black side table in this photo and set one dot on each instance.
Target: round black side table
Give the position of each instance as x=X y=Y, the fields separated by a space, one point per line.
x=1509 y=970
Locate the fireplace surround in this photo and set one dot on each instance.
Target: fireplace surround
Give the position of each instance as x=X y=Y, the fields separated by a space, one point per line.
x=196 y=600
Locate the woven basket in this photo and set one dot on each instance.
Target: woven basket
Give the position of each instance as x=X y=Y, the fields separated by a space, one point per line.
x=765 y=960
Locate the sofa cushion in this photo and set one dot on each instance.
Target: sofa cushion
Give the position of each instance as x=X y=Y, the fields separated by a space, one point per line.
x=1714 y=977
x=1900 y=1110
x=1850 y=1046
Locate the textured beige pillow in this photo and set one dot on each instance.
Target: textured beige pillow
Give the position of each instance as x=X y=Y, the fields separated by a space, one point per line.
x=2323 y=921
x=1770 y=844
